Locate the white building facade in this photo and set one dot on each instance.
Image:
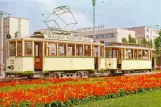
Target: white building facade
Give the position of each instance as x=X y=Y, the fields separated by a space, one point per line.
x=108 y=35
x=16 y=27
x=145 y=32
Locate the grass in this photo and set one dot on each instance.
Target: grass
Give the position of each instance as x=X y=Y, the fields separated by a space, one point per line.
x=147 y=99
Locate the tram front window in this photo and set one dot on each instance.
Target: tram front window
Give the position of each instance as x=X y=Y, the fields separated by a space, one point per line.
x=12 y=49
x=28 y=48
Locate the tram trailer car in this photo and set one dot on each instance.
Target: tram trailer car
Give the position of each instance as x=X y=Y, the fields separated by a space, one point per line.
x=45 y=55
x=126 y=58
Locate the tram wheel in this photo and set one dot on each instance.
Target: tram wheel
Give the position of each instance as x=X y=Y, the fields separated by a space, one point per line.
x=56 y=75
x=80 y=75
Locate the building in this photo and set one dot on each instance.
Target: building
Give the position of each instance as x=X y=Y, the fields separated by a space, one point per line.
x=145 y=32
x=16 y=27
x=108 y=35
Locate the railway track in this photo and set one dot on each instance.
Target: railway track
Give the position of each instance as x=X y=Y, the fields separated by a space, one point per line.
x=3 y=79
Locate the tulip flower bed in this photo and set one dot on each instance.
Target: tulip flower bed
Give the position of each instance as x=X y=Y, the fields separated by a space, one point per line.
x=68 y=92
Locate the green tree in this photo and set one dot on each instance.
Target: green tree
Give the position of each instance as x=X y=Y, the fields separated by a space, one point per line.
x=131 y=39
x=124 y=40
x=150 y=43
x=157 y=45
x=144 y=41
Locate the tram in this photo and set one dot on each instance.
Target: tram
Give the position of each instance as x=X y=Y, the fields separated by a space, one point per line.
x=126 y=58
x=53 y=54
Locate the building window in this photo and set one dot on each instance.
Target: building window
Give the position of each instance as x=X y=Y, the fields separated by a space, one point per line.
x=147 y=30
x=147 y=36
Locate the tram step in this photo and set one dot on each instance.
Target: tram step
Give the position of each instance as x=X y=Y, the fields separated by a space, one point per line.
x=38 y=75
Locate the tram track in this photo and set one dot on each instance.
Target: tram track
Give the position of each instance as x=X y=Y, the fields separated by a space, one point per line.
x=3 y=79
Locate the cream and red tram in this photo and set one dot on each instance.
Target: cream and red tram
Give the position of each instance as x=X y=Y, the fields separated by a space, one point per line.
x=41 y=55
x=122 y=58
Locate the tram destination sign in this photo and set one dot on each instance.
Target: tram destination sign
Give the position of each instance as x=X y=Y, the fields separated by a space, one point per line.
x=69 y=38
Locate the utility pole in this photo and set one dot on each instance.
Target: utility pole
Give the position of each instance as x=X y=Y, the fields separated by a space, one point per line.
x=94 y=4
x=1 y=44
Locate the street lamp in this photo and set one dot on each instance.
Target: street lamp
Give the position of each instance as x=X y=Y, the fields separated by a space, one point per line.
x=94 y=4
x=1 y=45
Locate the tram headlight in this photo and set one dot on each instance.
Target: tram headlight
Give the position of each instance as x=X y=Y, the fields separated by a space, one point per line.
x=11 y=67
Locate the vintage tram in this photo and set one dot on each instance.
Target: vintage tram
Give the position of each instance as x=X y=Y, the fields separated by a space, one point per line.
x=53 y=54
x=58 y=54
x=126 y=58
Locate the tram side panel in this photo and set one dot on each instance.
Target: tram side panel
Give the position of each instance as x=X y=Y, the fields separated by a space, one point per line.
x=101 y=64
x=19 y=65
x=111 y=63
x=68 y=64
x=136 y=64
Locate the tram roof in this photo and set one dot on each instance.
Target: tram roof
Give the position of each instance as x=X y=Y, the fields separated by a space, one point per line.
x=130 y=47
x=33 y=38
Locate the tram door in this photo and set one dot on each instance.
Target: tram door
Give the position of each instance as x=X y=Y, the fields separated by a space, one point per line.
x=38 y=56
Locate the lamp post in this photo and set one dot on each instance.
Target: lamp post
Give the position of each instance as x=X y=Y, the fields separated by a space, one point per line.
x=1 y=44
x=94 y=4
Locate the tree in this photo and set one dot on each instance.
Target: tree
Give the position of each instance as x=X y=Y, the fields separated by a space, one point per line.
x=131 y=39
x=144 y=41
x=150 y=43
x=157 y=45
x=124 y=40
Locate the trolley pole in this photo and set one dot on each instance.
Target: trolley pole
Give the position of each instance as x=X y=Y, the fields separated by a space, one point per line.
x=1 y=44
x=94 y=4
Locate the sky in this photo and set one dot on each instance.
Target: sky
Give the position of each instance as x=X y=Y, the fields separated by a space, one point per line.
x=110 y=13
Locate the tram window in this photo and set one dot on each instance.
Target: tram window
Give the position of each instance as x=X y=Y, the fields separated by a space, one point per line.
x=139 y=54
x=71 y=49
x=12 y=49
x=114 y=53
x=19 y=48
x=45 y=48
x=145 y=54
x=28 y=48
x=105 y=52
x=87 y=50
x=61 y=49
x=129 y=54
x=52 y=49
x=121 y=54
x=109 y=53
x=135 y=54
x=95 y=51
x=79 y=50
x=102 y=51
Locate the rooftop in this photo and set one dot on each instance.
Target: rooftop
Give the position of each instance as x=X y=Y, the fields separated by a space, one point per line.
x=16 y=17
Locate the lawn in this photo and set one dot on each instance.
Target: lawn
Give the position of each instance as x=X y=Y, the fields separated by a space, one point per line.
x=147 y=99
